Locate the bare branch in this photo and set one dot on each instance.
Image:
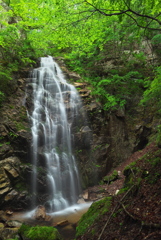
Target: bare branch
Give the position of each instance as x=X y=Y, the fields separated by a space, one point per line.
x=127 y=11
x=145 y=27
x=146 y=16
x=107 y=14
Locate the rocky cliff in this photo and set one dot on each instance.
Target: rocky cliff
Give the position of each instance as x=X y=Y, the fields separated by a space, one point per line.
x=102 y=141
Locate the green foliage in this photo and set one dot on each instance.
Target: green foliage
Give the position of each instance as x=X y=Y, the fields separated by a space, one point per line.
x=115 y=91
x=13 y=135
x=39 y=232
x=114 y=176
x=154 y=161
x=156 y=39
x=92 y=38
x=159 y=136
x=2 y=97
x=123 y=190
x=132 y=173
x=94 y=212
x=5 y=77
x=152 y=179
x=39 y=27
x=14 y=238
x=152 y=95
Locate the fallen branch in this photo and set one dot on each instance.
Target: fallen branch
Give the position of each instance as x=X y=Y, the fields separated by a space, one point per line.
x=146 y=224
x=129 y=214
x=151 y=235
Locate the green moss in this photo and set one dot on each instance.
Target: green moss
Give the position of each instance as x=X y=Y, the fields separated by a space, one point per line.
x=94 y=212
x=93 y=232
x=20 y=187
x=133 y=178
x=39 y=232
x=14 y=238
x=23 y=114
x=123 y=190
x=153 y=174
x=20 y=122
x=19 y=126
x=111 y=178
x=11 y=106
x=152 y=179
x=96 y=147
x=154 y=161
x=130 y=166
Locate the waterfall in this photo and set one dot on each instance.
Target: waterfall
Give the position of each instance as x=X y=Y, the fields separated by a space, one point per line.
x=55 y=110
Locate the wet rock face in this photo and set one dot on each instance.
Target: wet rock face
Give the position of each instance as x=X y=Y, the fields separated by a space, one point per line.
x=10 y=179
x=114 y=136
x=14 y=149
x=15 y=161
x=14 y=126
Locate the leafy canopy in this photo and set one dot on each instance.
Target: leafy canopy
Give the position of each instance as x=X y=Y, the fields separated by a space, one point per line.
x=86 y=33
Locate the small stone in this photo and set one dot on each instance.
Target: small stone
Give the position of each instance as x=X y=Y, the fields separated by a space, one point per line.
x=116 y=192
x=11 y=195
x=40 y=213
x=14 y=223
x=119 y=173
x=85 y=195
x=20 y=81
x=9 y=212
x=62 y=223
x=3 y=216
x=85 y=129
x=1 y=225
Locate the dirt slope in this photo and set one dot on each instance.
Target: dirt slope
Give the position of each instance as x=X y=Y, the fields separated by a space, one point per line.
x=134 y=213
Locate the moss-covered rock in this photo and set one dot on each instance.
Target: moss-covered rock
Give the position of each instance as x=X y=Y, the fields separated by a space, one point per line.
x=94 y=212
x=39 y=233
x=113 y=177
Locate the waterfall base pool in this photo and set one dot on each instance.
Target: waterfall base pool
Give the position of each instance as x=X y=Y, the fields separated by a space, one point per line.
x=70 y=216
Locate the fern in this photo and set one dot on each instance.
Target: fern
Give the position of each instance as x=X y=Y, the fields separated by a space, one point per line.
x=152 y=95
x=114 y=91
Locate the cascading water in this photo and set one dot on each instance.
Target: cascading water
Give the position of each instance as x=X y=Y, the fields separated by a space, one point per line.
x=55 y=109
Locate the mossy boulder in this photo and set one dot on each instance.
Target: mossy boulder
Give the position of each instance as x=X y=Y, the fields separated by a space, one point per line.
x=111 y=178
x=133 y=177
x=39 y=233
x=93 y=214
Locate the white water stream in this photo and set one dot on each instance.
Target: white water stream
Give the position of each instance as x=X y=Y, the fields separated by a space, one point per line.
x=56 y=107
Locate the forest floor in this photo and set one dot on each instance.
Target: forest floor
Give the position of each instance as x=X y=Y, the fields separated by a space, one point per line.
x=135 y=214
x=110 y=189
